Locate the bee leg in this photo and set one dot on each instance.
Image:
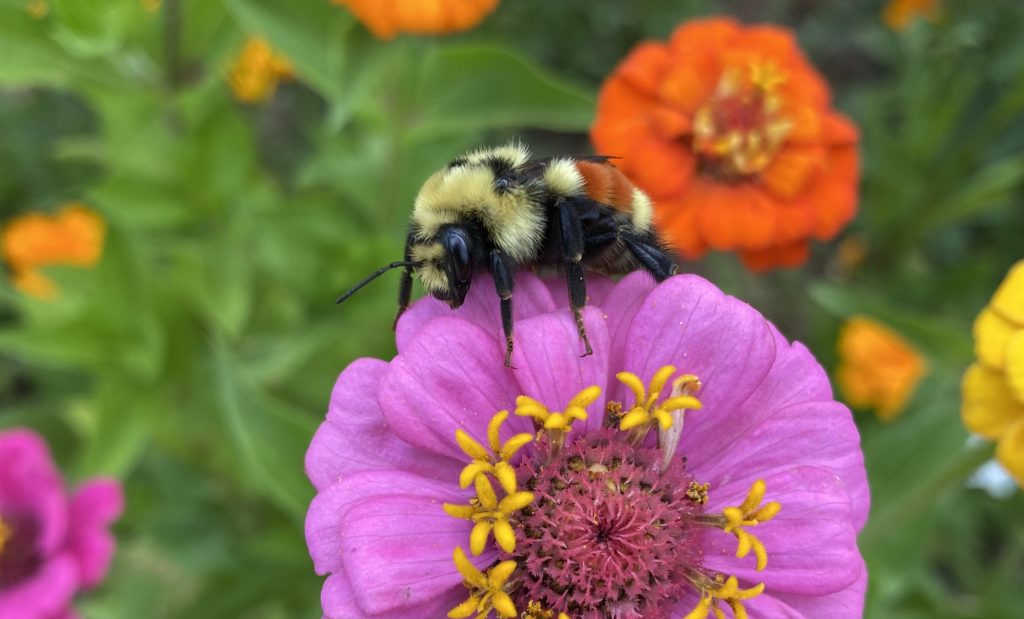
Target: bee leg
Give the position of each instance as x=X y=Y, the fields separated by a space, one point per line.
x=504 y=282
x=404 y=294
x=405 y=284
x=572 y=245
x=655 y=260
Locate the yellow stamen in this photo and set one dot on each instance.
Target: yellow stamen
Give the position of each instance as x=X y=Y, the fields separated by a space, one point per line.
x=5 y=534
x=729 y=592
x=486 y=591
x=536 y=610
x=648 y=411
x=750 y=513
x=496 y=461
x=557 y=424
x=490 y=515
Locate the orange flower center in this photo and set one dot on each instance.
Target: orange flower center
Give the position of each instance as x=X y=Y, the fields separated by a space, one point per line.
x=737 y=132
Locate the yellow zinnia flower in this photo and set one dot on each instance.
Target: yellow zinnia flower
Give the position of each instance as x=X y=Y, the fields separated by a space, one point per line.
x=877 y=368
x=257 y=71
x=993 y=387
x=72 y=237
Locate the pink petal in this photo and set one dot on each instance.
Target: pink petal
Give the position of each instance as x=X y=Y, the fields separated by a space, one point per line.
x=531 y=297
x=599 y=287
x=789 y=420
x=621 y=306
x=811 y=543
x=548 y=364
x=46 y=594
x=845 y=604
x=688 y=323
x=94 y=507
x=339 y=602
x=324 y=529
x=356 y=437
x=397 y=551
x=29 y=482
x=452 y=375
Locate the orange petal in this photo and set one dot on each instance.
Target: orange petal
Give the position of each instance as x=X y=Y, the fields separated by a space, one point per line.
x=662 y=169
x=784 y=256
x=690 y=84
x=791 y=169
x=832 y=197
x=838 y=130
x=646 y=66
x=623 y=113
x=700 y=35
x=717 y=216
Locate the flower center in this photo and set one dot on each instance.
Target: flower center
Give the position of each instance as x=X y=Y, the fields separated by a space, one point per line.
x=608 y=530
x=738 y=131
x=602 y=524
x=19 y=557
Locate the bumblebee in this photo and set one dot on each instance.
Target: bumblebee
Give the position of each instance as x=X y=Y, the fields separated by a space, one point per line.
x=498 y=209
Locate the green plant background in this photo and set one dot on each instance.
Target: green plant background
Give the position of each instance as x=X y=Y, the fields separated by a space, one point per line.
x=195 y=361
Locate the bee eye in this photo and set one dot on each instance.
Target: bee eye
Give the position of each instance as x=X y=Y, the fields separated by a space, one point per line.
x=502 y=183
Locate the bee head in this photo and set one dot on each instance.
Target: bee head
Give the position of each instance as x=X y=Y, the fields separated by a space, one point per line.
x=449 y=261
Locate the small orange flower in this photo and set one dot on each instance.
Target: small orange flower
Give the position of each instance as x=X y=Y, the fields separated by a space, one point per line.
x=993 y=387
x=877 y=368
x=73 y=237
x=386 y=18
x=731 y=132
x=899 y=14
x=37 y=9
x=257 y=71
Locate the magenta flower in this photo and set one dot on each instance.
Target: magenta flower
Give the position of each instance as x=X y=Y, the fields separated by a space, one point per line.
x=696 y=465
x=51 y=545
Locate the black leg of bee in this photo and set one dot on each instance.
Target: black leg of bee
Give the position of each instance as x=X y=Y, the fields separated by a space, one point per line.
x=404 y=294
x=656 y=261
x=573 y=244
x=504 y=282
x=405 y=284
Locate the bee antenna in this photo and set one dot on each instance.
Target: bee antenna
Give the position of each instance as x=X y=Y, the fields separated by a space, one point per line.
x=378 y=273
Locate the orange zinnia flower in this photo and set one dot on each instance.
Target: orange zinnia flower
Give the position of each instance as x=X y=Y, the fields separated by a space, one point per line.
x=731 y=132
x=386 y=18
x=899 y=14
x=877 y=368
x=73 y=237
x=257 y=71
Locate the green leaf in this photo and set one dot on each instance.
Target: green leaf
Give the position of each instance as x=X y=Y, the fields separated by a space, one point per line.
x=269 y=436
x=993 y=186
x=469 y=88
x=310 y=33
x=940 y=338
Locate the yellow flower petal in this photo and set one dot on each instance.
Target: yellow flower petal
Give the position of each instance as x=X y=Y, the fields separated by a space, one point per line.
x=1015 y=365
x=988 y=405
x=992 y=333
x=1010 y=451
x=1008 y=300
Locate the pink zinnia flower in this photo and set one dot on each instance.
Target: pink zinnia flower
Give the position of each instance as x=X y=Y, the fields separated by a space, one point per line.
x=570 y=486
x=51 y=545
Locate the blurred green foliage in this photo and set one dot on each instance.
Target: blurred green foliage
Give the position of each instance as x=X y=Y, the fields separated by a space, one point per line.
x=196 y=359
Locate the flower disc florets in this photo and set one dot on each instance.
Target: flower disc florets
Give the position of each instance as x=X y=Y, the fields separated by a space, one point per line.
x=606 y=529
